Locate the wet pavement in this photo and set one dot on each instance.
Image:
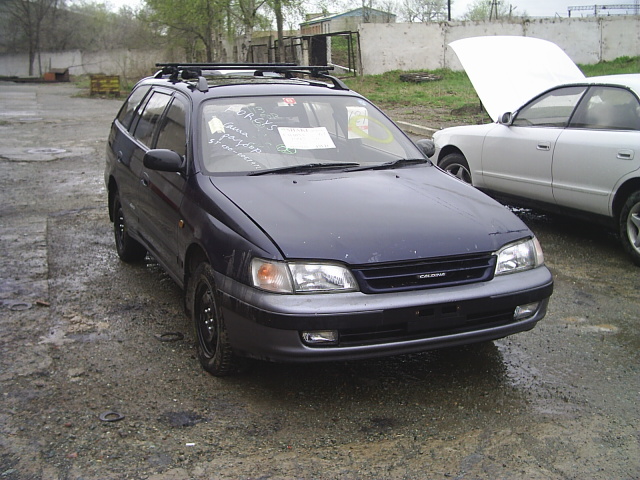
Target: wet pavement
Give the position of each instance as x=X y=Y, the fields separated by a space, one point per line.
x=99 y=377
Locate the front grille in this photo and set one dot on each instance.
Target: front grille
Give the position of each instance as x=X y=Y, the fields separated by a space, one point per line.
x=432 y=323
x=435 y=273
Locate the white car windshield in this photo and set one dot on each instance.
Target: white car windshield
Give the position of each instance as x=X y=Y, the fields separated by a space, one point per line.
x=253 y=134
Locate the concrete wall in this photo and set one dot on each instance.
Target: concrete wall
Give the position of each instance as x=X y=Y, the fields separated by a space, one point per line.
x=422 y=46
x=126 y=63
x=386 y=46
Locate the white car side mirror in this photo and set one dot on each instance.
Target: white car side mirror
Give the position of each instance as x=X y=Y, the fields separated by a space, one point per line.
x=506 y=118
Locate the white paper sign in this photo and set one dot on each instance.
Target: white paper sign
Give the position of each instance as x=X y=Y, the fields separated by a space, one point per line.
x=306 y=138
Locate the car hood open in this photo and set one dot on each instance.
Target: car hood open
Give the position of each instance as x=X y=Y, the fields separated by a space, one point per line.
x=507 y=71
x=373 y=216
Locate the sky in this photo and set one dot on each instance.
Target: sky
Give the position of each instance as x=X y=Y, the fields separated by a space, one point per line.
x=533 y=8
x=540 y=8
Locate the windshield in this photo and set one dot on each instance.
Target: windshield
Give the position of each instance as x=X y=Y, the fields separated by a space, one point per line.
x=252 y=134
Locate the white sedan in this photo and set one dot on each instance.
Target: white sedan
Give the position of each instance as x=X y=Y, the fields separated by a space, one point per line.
x=573 y=148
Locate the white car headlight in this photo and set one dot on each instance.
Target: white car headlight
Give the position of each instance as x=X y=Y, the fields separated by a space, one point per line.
x=519 y=256
x=298 y=277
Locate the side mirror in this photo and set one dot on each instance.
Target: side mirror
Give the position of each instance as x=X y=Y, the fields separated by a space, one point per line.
x=427 y=147
x=163 y=160
x=506 y=118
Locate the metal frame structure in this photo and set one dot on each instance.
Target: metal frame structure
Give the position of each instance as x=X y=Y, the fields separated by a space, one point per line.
x=598 y=9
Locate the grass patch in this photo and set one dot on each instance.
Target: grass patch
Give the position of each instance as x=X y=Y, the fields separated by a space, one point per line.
x=617 y=66
x=454 y=91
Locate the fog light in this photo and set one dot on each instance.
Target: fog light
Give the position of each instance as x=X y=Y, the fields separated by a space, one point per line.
x=525 y=311
x=320 y=337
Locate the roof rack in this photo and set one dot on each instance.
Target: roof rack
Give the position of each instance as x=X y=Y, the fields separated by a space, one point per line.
x=193 y=71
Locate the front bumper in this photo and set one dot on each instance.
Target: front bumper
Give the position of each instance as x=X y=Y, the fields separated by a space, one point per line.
x=268 y=326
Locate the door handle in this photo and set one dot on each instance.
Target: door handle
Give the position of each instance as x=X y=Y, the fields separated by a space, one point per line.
x=625 y=154
x=144 y=180
x=544 y=146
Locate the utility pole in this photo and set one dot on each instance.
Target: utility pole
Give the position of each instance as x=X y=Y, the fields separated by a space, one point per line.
x=494 y=8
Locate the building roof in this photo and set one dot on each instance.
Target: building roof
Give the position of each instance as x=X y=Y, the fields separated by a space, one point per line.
x=358 y=12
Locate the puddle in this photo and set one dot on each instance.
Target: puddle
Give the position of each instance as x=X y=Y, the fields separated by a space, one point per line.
x=50 y=151
x=42 y=154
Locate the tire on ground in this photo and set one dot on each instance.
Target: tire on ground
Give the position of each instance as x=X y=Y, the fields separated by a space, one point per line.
x=214 y=350
x=630 y=226
x=456 y=165
x=129 y=250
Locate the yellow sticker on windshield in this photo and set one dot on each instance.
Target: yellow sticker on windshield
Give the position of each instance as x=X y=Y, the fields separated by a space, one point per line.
x=354 y=125
x=360 y=124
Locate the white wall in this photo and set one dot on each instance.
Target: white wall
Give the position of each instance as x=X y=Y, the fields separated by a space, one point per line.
x=388 y=46
x=126 y=63
x=420 y=46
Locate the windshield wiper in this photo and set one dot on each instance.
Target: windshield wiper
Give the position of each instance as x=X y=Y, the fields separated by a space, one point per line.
x=401 y=162
x=307 y=167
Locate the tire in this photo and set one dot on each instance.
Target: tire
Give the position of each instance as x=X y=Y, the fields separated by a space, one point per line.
x=214 y=351
x=129 y=250
x=630 y=226
x=455 y=164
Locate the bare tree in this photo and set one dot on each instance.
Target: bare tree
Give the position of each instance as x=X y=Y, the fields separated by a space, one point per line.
x=277 y=10
x=246 y=13
x=203 y=20
x=29 y=16
x=490 y=10
x=367 y=5
x=424 y=10
x=93 y=26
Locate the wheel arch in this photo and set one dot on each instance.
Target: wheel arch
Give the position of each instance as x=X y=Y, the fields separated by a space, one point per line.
x=112 y=189
x=621 y=195
x=194 y=256
x=447 y=150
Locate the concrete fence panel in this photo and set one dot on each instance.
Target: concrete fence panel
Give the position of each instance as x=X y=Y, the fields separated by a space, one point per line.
x=384 y=46
x=413 y=46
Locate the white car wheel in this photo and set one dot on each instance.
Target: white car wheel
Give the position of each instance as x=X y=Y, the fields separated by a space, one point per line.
x=630 y=226
x=456 y=165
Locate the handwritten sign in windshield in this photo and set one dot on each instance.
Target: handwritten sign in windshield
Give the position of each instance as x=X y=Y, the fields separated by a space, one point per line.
x=314 y=138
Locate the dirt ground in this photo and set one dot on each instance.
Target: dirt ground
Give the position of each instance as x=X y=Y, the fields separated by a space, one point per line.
x=99 y=378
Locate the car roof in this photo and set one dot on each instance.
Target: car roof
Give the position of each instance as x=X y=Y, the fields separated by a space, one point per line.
x=628 y=80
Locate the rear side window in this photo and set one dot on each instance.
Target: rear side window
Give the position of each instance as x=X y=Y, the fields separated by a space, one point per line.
x=608 y=108
x=150 y=116
x=553 y=109
x=172 y=129
x=128 y=110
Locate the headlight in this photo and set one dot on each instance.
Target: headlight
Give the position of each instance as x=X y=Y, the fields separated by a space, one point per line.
x=298 y=277
x=519 y=256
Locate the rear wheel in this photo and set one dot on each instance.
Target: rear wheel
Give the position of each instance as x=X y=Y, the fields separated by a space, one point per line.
x=630 y=226
x=129 y=250
x=214 y=351
x=456 y=165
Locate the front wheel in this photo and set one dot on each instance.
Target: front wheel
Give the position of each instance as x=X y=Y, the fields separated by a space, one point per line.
x=456 y=165
x=214 y=350
x=630 y=226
